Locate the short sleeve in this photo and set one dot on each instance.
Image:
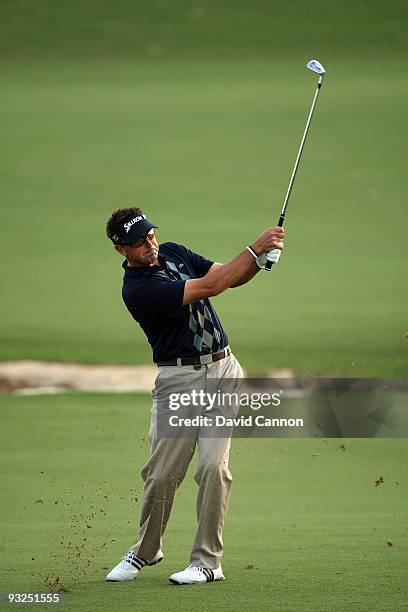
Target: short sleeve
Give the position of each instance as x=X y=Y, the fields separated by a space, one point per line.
x=200 y=264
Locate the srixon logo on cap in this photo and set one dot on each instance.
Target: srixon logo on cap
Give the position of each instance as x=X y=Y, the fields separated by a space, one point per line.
x=129 y=224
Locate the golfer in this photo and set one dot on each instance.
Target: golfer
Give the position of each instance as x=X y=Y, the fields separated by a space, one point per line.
x=166 y=289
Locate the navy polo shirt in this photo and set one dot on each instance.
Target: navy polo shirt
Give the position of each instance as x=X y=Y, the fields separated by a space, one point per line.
x=154 y=298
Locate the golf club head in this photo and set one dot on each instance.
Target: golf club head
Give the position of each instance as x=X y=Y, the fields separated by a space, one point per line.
x=316 y=66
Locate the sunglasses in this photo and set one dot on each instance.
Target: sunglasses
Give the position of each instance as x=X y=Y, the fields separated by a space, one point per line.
x=140 y=241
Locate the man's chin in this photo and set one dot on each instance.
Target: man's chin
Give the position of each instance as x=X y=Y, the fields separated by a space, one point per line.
x=151 y=259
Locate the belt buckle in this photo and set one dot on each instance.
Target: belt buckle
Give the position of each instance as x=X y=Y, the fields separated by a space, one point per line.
x=206 y=359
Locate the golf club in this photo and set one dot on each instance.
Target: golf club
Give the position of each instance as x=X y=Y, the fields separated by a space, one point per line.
x=315 y=66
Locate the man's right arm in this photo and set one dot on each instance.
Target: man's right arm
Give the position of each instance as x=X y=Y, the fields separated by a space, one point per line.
x=220 y=278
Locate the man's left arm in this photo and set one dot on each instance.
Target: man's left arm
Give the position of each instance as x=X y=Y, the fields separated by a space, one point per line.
x=246 y=276
x=203 y=265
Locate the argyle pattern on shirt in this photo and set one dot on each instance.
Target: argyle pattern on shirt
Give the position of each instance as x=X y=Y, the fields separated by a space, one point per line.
x=206 y=337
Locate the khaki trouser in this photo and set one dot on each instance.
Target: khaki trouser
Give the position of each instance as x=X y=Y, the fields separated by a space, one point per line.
x=168 y=463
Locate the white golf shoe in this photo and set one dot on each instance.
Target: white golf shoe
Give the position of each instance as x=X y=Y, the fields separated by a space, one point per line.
x=194 y=574
x=130 y=566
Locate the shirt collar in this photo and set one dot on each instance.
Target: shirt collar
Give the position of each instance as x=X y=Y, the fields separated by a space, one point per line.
x=145 y=270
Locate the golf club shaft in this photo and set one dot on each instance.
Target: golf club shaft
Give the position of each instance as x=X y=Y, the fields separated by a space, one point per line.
x=299 y=154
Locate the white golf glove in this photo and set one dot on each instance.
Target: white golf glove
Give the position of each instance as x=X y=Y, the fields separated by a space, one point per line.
x=272 y=256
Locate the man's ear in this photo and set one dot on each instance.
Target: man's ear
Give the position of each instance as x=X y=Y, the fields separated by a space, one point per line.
x=120 y=249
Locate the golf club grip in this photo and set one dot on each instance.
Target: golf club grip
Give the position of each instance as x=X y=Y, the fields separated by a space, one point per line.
x=269 y=264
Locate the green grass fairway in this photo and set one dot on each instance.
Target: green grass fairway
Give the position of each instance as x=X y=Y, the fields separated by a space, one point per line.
x=206 y=145
x=104 y=28
x=307 y=528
